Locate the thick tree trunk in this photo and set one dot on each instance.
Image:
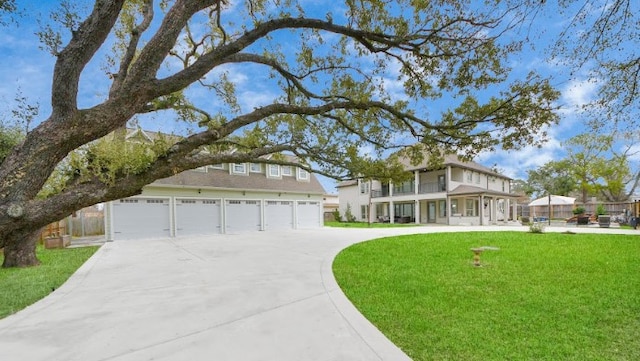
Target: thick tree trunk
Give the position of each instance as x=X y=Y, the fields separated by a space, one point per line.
x=20 y=250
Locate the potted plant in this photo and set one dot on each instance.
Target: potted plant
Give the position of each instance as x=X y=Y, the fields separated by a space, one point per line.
x=580 y=217
x=604 y=220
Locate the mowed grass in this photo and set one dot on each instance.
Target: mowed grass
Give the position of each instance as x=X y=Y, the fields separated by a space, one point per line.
x=21 y=287
x=539 y=297
x=368 y=225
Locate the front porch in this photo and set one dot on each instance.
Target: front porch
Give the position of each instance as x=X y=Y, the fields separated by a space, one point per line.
x=465 y=205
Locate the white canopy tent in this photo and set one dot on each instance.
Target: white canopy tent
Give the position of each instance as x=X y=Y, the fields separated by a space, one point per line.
x=552 y=200
x=549 y=201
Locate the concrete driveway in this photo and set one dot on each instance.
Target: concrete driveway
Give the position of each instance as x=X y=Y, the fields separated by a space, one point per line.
x=255 y=296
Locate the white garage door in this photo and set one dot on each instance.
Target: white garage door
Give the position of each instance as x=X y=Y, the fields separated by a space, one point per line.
x=308 y=214
x=242 y=216
x=136 y=218
x=197 y=216
x=278 y=215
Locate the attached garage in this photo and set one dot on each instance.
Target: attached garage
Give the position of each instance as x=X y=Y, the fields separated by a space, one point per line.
x=278 y=215
x=136 y=218
x=242 y=216
x=198 y=216
x=308 y=213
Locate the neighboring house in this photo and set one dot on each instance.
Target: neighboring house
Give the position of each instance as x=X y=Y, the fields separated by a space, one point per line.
x=330 y=205
x=221 y=198
x=458 y=193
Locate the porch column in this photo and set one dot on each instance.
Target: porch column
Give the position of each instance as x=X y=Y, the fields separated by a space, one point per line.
x=494 y=210
x=481 y=210
x=448 y=210
x=392 y=211
x=417 y=211
x=515 y=210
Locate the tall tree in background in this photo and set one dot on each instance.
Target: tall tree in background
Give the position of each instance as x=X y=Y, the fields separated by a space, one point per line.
x=554 y=177
x=595 y=165
x=601 y=42
x=333 y=70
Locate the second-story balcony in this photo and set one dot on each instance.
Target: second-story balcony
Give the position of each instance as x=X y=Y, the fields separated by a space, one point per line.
x=433 y=187
x=423 y=188
x=379 y=193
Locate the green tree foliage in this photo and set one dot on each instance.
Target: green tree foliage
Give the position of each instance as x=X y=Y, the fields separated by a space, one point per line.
x=343 y=77
x=595 y=165
x=552 y=178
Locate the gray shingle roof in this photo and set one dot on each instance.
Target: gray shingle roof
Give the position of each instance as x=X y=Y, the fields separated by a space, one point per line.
x=218 y=178
x=466 y=190
x=452 y=160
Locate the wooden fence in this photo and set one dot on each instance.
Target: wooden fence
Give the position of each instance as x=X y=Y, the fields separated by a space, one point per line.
x=566 y=211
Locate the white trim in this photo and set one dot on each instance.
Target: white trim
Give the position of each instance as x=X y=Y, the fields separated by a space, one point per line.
x=234 y=165
x=303 y=175
x=286 y=170
x=251 y=170
x=271 y=167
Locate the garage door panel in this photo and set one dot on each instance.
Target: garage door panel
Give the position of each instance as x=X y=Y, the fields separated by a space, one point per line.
x=198 y=216
x=137 y=218
x=242 y=216
x=308 y=214
x=278 y=215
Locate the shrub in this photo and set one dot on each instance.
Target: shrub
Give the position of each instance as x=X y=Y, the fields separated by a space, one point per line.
x=536 y=227
x=600 y=210
x=579 y=210
x=349 y=217
x=336 y=215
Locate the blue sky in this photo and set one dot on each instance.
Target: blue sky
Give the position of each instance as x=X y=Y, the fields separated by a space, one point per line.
x=27 y=69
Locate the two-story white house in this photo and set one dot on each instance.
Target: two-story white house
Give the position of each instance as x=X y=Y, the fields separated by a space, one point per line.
x=458 y=193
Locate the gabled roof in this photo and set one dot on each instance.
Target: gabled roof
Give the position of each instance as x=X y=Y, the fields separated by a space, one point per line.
x=463 y=190
x=452 y=160
x=347 y=183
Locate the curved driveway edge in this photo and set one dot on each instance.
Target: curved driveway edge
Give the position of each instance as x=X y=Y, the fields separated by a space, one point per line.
x=254 y=296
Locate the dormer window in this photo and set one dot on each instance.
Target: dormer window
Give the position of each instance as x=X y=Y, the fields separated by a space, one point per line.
x=274 y=171
x=303 y=174
x=286 y=170
x=239 y=168
x=255 y=168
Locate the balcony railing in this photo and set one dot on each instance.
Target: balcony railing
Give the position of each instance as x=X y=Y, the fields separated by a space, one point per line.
x=423 y=188
x=431 y=188
x=379 y=193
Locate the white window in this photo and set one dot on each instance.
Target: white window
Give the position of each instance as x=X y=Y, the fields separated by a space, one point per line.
x=454 y=206
x=364 y=211
x=286 y=170
x=364 y=187
x=469 y=176
x=477 y=178
x=471 y=209
x=274 y=171
x=303 y=174
x=217 y=166
x=201 y=169
x=239 y=168
x=255 y=168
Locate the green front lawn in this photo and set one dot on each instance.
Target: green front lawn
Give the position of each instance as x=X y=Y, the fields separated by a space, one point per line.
x=21 y=287
x=368 y=225
x=539 y=297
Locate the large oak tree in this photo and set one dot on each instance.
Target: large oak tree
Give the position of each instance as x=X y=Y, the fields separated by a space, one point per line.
x=334 y=66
